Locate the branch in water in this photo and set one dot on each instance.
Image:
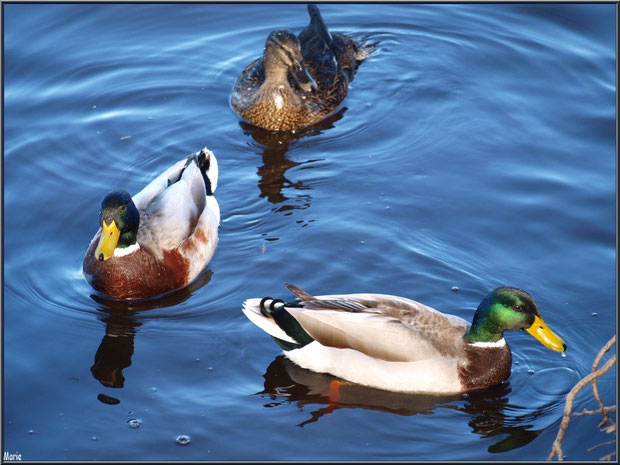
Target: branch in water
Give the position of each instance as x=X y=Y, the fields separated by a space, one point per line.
x=556 y=449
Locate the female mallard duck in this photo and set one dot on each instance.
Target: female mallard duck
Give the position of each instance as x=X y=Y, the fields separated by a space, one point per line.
x=160 y=239
x=398 y=344
x=299 y=80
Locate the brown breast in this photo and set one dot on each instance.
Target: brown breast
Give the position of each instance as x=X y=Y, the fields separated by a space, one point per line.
x=265 y=114
x=137 y=275
x=485 y=366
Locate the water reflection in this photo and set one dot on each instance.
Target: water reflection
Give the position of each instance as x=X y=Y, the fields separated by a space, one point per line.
x=486 y=407
x=116 y=348
x=286 y=382
x=273 y=179
x=272 y=174
x=122 y=320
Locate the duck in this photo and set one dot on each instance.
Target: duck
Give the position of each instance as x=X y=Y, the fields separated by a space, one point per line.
x=160 y=239
x=397 y=344
x=299 y=80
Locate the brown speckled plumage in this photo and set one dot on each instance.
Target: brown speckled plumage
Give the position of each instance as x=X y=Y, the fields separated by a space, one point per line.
x=330 y=58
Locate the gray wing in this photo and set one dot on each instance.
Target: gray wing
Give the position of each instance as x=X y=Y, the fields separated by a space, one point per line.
x=170 y=208
x=383 y=326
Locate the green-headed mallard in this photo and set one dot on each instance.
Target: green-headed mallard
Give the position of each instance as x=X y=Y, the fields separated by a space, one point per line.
x=397 y=344
x=160 y=239
x=299 y=80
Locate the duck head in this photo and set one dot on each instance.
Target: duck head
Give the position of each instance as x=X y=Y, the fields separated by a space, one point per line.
x=282 y=56
x=119 y=220
x=511 y=308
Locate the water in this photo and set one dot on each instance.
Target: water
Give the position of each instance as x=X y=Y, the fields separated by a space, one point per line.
x=476 y=148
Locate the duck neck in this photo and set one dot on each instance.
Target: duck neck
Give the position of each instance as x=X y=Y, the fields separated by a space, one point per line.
x=127 y=239
x=275 y=71
x=482 y=335
x=484 y=328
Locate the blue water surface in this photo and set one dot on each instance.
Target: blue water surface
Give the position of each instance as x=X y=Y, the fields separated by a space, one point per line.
x=476 y=148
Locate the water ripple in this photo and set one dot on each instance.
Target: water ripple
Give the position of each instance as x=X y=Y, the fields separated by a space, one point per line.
x=475 y=149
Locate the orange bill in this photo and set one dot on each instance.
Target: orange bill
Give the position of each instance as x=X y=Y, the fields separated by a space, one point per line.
x=547 y=337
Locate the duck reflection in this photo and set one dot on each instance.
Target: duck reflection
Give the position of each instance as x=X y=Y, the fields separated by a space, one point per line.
x=121 y=320
x=116 y=348
x=286 y=382
x=486 y=407
x=272 y=174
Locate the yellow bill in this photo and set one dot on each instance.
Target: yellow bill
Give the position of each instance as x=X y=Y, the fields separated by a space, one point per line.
x=547 y=337
x=107 y=242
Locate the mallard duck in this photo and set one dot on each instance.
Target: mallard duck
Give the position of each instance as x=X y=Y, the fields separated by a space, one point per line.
x=160 y=239
x=397 y=344
x=299 y=80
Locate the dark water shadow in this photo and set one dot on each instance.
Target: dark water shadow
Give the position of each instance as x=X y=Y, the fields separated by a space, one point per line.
x=486 y=408
x=122 y=318
x=115 y=350
x=287 y=383
x=272 y=173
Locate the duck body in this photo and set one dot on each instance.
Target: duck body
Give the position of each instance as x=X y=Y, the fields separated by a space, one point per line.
x=390 y=342
x=160 y=239
x=299 y=80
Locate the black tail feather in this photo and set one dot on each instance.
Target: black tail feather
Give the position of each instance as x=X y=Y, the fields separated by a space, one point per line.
x=285 y=321
x=204 y=162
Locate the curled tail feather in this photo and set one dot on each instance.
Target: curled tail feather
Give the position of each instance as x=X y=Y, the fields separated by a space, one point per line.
x=277 y=322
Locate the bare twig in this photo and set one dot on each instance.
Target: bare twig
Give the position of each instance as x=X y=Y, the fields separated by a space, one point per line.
x=597 y=396
x=603 y=351
x=601 y=444
x=556 y=449
x=611 y=408
x=608 y=456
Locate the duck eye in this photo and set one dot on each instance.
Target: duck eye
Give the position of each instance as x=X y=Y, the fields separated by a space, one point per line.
x=123 y=208
x=518 y=308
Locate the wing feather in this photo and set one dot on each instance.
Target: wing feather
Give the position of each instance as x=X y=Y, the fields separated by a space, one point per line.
x=171 y=213
x=382 y=326
x=159 y=184
x=375 y=335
